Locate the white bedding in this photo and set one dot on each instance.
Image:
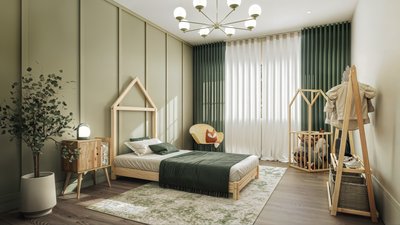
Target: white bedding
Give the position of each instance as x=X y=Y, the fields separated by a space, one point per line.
x=151 y=163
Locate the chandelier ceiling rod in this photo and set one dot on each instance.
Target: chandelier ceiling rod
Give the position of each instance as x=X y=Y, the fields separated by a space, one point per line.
x=249 y=23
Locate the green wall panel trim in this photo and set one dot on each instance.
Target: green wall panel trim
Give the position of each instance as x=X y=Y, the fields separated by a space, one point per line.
x=208 y=87
x=325 y=53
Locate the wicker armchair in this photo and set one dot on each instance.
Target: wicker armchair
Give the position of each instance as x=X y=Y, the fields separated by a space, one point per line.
x=198 y=132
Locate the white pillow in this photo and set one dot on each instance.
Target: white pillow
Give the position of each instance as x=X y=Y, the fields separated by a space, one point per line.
x=142 y=147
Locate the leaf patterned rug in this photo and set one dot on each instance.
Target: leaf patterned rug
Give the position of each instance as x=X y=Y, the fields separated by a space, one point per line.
x=151 y=204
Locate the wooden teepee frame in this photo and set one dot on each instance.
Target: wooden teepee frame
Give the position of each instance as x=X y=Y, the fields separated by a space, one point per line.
x=353 y=96
x=314 y=94
x=117 y=107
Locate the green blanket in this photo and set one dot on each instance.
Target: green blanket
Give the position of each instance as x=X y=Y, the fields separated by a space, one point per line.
x=199 y=172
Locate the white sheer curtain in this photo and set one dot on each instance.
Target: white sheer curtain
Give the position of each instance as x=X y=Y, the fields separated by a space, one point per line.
x=243 y=97
x=261 y=76
x=280 y=81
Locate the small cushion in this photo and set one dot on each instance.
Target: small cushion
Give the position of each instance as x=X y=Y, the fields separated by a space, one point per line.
x=139 y=138
x=142 y=147
x=211 y=136
x=163 y=148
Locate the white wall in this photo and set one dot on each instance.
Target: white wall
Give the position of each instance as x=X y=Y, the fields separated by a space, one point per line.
x=376 y=53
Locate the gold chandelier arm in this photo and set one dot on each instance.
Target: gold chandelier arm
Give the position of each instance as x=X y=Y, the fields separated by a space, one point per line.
x=223 y=32
x=236 y=21
x=199 y=23
x=212 y=22
x=211 y=31
x=226 y=16
x=197 y=29
x=238 y=28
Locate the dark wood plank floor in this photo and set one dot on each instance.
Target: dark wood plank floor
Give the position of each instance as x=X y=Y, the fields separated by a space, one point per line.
x=300 y=198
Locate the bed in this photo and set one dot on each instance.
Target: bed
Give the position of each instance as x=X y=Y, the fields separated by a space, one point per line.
x=147 y=167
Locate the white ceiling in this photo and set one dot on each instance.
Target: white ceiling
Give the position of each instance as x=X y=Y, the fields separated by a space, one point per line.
x=277 y=15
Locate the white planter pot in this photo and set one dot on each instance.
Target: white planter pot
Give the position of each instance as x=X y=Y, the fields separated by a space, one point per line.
x=38 y=195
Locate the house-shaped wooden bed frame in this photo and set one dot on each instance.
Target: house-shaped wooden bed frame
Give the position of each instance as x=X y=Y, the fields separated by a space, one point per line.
x=234 y=187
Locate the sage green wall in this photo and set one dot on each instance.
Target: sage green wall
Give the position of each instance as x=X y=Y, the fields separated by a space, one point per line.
x=174 y=92
x=132 y=64
x=156 y=75
x=50 y=42
x=376 y=53
x=10 y=65
x=187 y=79
x=102 y=46
x=99 y=64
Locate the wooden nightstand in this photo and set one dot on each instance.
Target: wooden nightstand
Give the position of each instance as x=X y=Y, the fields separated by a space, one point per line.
x=91 y=158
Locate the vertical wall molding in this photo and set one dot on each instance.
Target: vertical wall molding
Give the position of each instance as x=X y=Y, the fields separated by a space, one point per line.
x=182 y=99
x=166 y=88
x=80 y=61
x=24 y=58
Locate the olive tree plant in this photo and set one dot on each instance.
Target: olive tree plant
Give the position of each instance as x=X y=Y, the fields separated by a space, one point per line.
x=35 y=113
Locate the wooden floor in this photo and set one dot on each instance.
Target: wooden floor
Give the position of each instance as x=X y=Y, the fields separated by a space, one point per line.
x=300 y=198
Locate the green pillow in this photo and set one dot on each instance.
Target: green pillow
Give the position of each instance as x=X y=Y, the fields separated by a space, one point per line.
x=139 y=139
x=163 y=148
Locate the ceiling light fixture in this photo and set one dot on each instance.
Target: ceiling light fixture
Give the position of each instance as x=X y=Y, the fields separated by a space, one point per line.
x=226 y=27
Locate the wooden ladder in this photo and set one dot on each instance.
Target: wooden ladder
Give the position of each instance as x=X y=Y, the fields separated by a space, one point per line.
x=353 y=92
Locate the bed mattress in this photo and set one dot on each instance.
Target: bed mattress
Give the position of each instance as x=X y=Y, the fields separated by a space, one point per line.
x=151 y=163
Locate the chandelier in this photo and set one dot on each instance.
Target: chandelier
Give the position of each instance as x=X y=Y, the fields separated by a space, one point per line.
x=228 y=28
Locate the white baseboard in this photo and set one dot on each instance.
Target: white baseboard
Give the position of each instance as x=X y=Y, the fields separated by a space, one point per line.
x=388 y=206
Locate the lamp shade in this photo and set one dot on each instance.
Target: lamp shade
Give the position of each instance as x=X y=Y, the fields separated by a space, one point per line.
x=83 y=131
x=180 y=13
x=230 y=31
x=254 y=11
x=184 y=26
x=233 y=3
x=204 y=32
x=250 y=24
x=199 y=4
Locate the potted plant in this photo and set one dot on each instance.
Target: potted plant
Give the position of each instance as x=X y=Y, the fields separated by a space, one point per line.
x=35 y=114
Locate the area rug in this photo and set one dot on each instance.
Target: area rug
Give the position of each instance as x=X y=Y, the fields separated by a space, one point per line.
x=151 y=204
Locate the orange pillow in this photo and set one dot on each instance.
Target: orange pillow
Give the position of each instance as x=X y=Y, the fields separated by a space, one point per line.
x=211 y=136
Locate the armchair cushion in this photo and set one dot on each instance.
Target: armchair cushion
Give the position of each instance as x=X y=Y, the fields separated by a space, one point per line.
x=211 y=136
x=198 y=132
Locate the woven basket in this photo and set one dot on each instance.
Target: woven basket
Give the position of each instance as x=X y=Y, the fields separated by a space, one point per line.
x=353 y=191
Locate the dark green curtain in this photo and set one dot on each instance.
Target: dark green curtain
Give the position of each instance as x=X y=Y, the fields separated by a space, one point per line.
x=325 y=53
x=208 y=88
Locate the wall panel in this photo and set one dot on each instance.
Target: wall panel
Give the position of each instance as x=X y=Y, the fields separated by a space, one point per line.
x=187 y=89
x=101 y=47
x=10 y=65
x=174 y=92
x=99 y=64
x=132 y=64
x=52 y=28
x=156 y=76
